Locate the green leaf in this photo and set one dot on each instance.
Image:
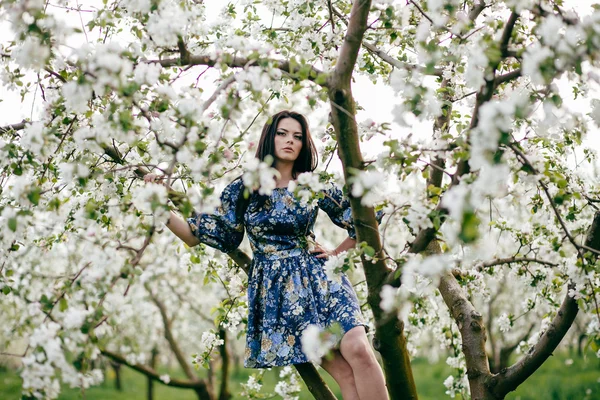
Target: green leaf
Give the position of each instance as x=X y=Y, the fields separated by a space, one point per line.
x=369 y=251
x=6 y=289
x=34 y=196
x=63 y=305
x=469 y=231
x=12 y=224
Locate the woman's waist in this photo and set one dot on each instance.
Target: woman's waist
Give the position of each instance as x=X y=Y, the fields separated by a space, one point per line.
x=282 y=250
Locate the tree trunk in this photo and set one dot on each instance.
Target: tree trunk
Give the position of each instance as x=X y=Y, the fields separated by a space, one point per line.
x=224 y=389
x=117 y=368
x=154 y=356
x=580 y=341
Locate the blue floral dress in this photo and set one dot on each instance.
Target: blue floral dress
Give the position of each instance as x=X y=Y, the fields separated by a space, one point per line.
x=287 y=286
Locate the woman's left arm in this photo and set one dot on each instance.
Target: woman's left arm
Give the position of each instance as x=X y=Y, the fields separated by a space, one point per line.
x=347 y=244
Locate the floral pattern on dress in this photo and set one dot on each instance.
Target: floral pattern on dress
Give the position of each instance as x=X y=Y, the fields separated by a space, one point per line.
x=288 y=289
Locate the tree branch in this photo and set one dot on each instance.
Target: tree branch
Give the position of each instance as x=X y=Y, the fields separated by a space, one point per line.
x=224 y=85
x=315 y=384
x=560 y=219
x=514 y=260
x=397 y=63
x=507 y=33
x=315 y=75
x=357 y=26
x=509 y=76
x=56 y=75
x=13 y=127
x=181 y=359
x=184 y=54
x=471 y=327
x=421 y=11
x=151 y=373
x=224 y=393
x=477 y=9
x=372 y=48
x=510 y=379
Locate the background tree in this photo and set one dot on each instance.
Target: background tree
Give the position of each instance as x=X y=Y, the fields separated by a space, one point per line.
x=486 y=173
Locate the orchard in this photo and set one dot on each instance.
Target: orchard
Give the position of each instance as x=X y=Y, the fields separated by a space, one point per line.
x=485 y=167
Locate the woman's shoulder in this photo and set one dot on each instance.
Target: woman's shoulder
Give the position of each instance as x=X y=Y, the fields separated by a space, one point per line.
x=237 y=183
x=233 y=189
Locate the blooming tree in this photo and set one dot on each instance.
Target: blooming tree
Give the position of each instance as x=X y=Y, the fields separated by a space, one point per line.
x=484 y=169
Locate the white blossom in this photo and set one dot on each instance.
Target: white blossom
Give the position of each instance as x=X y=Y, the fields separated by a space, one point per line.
x=260 y=177
x=166 y=23
x=550 y=30
x=364 y=184
x=316 y=343
x=147 y=73
x=388 y=297
x=504 y=323
x=535 y=55
x=76 y=96
x=333 y=266
x=141 y=6
x=31 y=53
x=252 y=384
x=33 y=138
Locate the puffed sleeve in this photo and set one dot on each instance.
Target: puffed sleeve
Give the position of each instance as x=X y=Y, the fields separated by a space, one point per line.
x=337 y=207
x=222 y=229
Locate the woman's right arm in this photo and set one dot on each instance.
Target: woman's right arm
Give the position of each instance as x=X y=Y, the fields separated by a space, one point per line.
x=181 y=229
x=176 y=223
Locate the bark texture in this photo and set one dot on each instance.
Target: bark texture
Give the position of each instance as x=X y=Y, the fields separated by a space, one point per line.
x=389 y=337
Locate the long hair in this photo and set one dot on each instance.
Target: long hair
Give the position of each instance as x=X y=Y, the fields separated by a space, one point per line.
x=306 y=162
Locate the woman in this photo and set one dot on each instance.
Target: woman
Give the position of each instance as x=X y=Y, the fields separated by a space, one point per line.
x=287 y=287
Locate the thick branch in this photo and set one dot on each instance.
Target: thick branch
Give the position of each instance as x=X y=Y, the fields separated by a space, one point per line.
x=149 y=372
x=13 y=127
x=510 y=379
x=315 y=384
x=477 y=9
x=509 y=76
x=353 y=39
x=181 y=359
x=507 y=33
x=471 y=327
x=314 y=75
x=184 y=54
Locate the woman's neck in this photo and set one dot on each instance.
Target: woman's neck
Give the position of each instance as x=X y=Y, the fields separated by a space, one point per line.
x=285 y=173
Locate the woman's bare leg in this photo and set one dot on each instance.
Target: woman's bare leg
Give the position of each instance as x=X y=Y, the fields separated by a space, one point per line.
x=368 y=376
x=341 y=371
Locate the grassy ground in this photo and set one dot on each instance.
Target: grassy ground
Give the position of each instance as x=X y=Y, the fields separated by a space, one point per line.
x=556 y=380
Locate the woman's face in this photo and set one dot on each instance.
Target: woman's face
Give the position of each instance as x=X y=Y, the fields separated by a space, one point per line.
x=288 y=140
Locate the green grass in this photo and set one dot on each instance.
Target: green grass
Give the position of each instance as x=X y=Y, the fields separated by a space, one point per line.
x=554 y=381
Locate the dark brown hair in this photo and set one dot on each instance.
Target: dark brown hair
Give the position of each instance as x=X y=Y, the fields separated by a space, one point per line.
x=306 y=162
x=307 y=159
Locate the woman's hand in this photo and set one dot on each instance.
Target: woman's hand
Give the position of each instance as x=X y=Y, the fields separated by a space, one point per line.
x=321 y=252
x=154 y=178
